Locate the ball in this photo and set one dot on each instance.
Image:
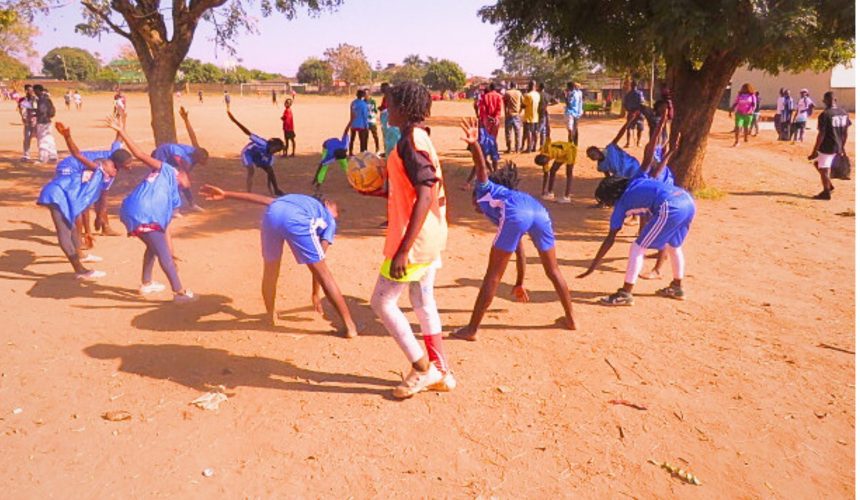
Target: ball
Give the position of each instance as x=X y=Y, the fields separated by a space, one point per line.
x=366 y=172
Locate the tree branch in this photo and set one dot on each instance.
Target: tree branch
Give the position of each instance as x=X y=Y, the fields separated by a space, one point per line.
x=106 y=19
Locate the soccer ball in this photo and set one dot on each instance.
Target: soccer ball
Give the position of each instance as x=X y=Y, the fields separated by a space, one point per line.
x=366 y=172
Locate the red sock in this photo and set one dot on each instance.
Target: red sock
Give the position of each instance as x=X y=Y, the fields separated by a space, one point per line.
x=435 y=352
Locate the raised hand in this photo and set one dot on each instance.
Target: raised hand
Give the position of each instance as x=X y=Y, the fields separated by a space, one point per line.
x=63 y=130
x=470 y=130
x=112 y=122
x=183 y=113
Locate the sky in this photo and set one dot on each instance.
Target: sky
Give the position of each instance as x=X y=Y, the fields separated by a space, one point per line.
x=387 y=30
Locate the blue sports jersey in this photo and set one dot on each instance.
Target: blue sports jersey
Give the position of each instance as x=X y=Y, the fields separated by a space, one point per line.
x=73 y=192
x=332 y=145
x=256 y=153
x=515 y=213
x=360 y=114
x=71 y=165
x=644 y=196
x=488 y=144
x=300 y=220
x=152 y=201
x=619 y=163
x=178 y=155
x=390 y=133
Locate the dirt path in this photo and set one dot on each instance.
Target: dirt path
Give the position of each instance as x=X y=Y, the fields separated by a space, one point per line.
x=736 y=387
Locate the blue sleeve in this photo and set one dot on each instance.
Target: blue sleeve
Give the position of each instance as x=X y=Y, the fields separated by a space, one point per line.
x=258 y=141
x=116 y=145
x=616 y=220
x=331 y=227
x=496 y=190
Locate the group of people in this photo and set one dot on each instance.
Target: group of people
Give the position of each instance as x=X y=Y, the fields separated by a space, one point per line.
x=73 y=97
x=37 y=112
x=417 y=228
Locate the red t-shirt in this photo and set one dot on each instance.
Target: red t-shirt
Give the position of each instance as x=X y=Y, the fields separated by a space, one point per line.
x=490 y=105
x=287 y=118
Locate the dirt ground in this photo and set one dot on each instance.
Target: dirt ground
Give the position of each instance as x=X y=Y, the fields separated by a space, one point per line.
x=737 y=386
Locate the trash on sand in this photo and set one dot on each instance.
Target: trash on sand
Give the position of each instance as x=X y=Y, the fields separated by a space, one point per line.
x=116 y=416
x=208 y=472
x=503 y=389
x=624 y=402
x=678 y=472
x=17 y=411
x=211 y=400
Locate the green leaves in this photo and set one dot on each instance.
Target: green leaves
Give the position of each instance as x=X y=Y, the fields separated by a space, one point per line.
x=70 y=63
x=315 y=71
x=444 y=75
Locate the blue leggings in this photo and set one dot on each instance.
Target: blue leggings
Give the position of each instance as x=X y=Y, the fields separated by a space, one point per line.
x=156 y=246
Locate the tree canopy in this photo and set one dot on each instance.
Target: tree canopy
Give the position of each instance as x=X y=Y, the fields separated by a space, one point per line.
x=349 y=63
x=530 y=61
x=70 y=63
x=12 y=69
x=444 y=75
x=702 y=44
x=315 y=71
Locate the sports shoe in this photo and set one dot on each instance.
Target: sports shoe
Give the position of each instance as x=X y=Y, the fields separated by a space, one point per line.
x=184 y=298
x=447 y=384
x=619 y=298
x=90 y=275
x=548 y=196
x=672 y=292
x=824 y=195
x=565 y=200
x=417 y=381
x=151 y=287
x=91 y=258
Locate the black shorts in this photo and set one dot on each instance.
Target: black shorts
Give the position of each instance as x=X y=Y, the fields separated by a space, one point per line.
x=289 y=134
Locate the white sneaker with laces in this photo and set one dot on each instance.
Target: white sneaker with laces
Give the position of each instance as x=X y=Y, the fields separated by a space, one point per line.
x=564 y=200
x=90 y=275
x=151 y=287
x=417 y=381
x=91 y=258
x=184 y=298
x=548 y=196
x=447 y=384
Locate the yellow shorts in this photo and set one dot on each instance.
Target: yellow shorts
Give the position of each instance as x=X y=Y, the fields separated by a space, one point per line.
x=414 y=272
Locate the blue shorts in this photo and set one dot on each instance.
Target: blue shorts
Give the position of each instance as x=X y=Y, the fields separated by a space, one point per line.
x=670 y=225
x=534 y=222
x=279 y=225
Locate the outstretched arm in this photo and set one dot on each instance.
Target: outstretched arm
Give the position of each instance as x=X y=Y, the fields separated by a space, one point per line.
x=346 y=129
x=663 y=162
x=241 y=127
x=607 y=244
x=132 y=147
x=191 y=135
x=66 y=132
x=214 y=193
x=470 y=137
x=627 y=123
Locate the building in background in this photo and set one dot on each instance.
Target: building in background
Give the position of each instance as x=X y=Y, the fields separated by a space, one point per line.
x=839 y=79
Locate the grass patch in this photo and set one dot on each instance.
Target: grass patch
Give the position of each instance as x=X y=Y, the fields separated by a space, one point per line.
x=709 y=193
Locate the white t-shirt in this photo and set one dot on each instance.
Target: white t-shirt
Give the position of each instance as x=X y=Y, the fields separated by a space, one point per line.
x=803 y=106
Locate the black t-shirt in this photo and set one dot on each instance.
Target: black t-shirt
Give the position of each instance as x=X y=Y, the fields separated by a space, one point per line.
x=833 y=123
x=418 y=164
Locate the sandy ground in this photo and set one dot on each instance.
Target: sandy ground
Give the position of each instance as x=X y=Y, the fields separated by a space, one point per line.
x=736 y=385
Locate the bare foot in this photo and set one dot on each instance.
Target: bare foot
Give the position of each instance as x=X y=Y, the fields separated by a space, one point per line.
x=351 y=332
x=570 y=323
x=465 y=334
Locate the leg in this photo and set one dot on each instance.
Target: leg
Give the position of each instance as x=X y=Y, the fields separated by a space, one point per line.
x=568 y=173
x=82 y=227
x=518 y=132
x=69 y=240
x=148 y=263
x=737 y=132
x=352 y=134
x=324 y=277
x=269 y=286
x=424 y=305
x=674 y=290
x=550 y=267
x=635 y=262
x=496 y=266
x=158 y=242
x=384 y=304
x=362 y=138
x=375 y=134
x=825 y=179
x=509 y=125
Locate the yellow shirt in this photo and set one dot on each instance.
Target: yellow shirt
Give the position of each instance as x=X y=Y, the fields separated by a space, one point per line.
x=531 y=100
x=562 y=151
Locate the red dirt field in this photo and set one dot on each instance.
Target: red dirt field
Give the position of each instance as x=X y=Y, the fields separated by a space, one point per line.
x=737 y=387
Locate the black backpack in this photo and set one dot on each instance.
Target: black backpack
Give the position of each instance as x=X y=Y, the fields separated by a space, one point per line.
x=841 y=167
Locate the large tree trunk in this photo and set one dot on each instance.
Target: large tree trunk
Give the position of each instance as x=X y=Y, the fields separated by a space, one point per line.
x=160 y=79
x=696 y=96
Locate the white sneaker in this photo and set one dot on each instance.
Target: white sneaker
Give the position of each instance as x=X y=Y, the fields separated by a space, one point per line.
x=417 y=381
x=548 y=196
x=90 y=275
x=151 y=287
x=184 y=298
x=564 y=200
x=91 y=258
x=447 y=384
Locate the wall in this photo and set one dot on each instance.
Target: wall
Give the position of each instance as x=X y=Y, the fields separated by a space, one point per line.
x=768 y=85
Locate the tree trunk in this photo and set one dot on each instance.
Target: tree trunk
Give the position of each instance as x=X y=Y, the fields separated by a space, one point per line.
x=696 y=95
x=160 y=79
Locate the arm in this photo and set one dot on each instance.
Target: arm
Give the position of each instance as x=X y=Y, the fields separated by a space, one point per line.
x=648 y=155
x=132 y=147
x=519 y=290
x=818 y=140
x=214 y=193
x=627 y=123
x=184 y=114
x=315 y=285
x=346 y=129
x=241 y=127
x=665 y=161
x=470 y=131
x=604 y=247
x=66 y=132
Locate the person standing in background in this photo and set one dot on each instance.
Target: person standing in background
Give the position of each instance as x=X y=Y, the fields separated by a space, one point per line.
x=27 y=109
x=490 y=110
x=79 y=100
x=531 y=101
x=372 y=119
x=45 y=112
x=632 y=103
x=573 y=111
x=833 y=125
x=358 y=121
x=513 y=122
x=543 y=115
x=802 y=112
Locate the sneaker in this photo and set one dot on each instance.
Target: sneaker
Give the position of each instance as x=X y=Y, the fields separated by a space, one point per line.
x=151 y=287
x=619 y=298
x=417 y=381
x=184 y=298
x=91 y=258
x=548 y=196
x=90 y=275
x=447 y=384
x=565 y=200
x=824 y=195
x=672 y=292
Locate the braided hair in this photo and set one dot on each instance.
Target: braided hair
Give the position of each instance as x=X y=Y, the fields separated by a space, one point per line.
x=610 y=190
x=413 y=99
x=506 y=175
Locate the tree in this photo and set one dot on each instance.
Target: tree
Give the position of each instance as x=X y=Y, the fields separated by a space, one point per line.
x=11 y=68
x=161 y=36
x=196 y=71
x=444 y=75
x=16 y=33
x=70 y=63
x=315 y=71
x=414 y=60
x=701 y=42
x=349 y=63
x=529 y=61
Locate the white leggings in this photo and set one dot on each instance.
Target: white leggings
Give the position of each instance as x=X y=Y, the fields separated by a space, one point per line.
x=637 y=260
x=384 y=304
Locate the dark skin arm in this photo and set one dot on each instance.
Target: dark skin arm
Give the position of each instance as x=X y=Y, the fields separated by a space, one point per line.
x=604 y=248
x=150 y=162
x=214 y=193
x=420 y=210
x=191 y=135
x=818 y=140
x=620 y=134
x=241 y=127
x=66 y=132
x=519 y=290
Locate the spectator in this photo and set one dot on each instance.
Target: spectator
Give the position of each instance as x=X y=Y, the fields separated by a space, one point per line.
x=833 y=125
x=543 y=115
x=785 y=117
x=45 y=112
x=513 y=122
x=27 y=109
x=802 y=112
x=632 y=103
x=531 y=101
x=79 y=100
x=119 y=107
x=359 y=120
x=573 y=111
x=756 y=114
x=744 y=107
x=67 y=99
x=227 y=99
x=490 y=110
x=372 y=119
